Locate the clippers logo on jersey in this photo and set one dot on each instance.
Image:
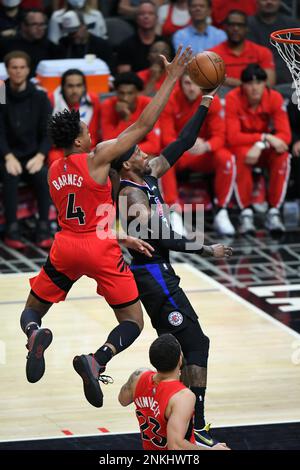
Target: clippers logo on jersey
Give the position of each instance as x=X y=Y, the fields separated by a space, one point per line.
x=175 y=318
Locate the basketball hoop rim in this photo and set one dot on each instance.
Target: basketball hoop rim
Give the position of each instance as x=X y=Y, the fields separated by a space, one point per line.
x=295 y=31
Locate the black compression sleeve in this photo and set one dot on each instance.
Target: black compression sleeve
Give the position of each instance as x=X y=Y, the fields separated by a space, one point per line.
x=187 y=136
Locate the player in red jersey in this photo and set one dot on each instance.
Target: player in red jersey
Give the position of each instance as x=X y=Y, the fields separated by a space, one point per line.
x=81 y=190
x=164 y=406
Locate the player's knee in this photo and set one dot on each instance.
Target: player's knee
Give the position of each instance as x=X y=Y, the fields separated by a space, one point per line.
x=198 y=355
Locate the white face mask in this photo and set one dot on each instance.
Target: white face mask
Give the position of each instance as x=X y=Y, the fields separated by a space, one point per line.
x=77 y=3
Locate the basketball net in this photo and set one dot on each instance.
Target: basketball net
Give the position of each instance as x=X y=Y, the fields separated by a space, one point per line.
x=287 y=43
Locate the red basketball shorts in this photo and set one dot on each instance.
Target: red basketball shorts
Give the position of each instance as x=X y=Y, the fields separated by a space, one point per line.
x=76 y=255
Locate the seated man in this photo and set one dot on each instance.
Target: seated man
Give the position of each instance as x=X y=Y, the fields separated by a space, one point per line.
x=79 y=41
x=120 y=111
x=72 y=94
x=237 y=52
x=154 y=76
x=23 y=147
x=208 y=155
x=258 y=133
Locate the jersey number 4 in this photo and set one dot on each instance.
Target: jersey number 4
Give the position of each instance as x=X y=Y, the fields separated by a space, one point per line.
x=74 y=212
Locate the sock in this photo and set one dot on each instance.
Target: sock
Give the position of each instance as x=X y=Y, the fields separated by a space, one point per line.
x=199 y=422
x=103 y=355
x=30 y=320
x=121 y=338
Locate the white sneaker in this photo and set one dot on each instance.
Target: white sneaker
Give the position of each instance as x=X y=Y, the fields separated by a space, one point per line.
x=222 y=223
x=177 y=223
x=246 y=225
x=273 y=221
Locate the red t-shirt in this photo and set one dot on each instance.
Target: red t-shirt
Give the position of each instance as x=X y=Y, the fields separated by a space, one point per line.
x=245 y=126
x=145 y=76
x=179 y=110
x=151 y=401
x=77 y=196
x=221 y=8
x=251 y=53
x=112 y=125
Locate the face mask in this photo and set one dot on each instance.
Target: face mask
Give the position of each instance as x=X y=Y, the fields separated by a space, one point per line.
x=77 y=3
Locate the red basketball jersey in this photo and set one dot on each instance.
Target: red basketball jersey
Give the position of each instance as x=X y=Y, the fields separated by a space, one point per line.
x=82 y=204
x=151 y=401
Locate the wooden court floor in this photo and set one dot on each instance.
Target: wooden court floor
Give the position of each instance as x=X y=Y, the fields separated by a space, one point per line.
x=252 y=378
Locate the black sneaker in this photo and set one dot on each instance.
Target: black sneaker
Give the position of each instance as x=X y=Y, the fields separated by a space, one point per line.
x=36 y=345
x=204 y=438
x=89 y=370
x=13 y=237
x=43 y=235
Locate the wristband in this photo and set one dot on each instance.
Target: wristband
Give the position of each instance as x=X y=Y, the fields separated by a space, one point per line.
x=208 y=96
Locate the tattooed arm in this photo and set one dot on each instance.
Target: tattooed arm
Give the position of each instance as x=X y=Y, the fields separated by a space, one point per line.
x=126 y=394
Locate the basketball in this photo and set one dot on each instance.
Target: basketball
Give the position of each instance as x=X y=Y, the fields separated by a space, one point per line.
x=207 y=69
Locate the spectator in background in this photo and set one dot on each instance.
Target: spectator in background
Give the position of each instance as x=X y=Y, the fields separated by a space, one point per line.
x=200 y=35
x=294 y=117
x=119 y=112
x=31 y=39
x=267 y=20
x=207 y=155
x=173 y=16
x=10 y=17
x=258 y=133
x=72 y=94
x=93 y=19
x=133 y=53
x=221 y=8
x=23 y=147
x=237 y=52
x=79 y=41
x=129 y=8
x=154 y=76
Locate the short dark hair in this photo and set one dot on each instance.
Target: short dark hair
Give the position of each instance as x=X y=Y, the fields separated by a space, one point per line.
x=129 y=78
x=16 y=55
x=64 y=128
x=207 y=1
x=164 y=353
x=236 y=12
x=26 y=13
x=70 y=72
x=253 y=72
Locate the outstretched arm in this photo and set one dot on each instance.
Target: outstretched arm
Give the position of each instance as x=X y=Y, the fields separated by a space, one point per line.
x=110 y=150
x=136 y=202
x=186 y=138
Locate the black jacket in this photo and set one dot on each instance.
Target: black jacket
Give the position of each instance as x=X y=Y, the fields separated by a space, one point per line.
x=23 y=123
x=41 y=49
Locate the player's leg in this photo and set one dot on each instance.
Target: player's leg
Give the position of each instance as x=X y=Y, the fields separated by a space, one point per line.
x=243 y=190
x=279 y=170
x=171 y=312
x=120 y=291
x=47 y=287
x=38 y=338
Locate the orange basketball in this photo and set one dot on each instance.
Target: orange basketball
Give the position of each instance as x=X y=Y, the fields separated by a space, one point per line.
x=207 y=69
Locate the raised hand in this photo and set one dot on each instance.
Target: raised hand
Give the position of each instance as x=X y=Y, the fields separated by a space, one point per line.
x=176 y=68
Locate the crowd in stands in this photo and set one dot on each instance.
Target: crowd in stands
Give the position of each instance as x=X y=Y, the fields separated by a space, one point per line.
x=251 y=124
